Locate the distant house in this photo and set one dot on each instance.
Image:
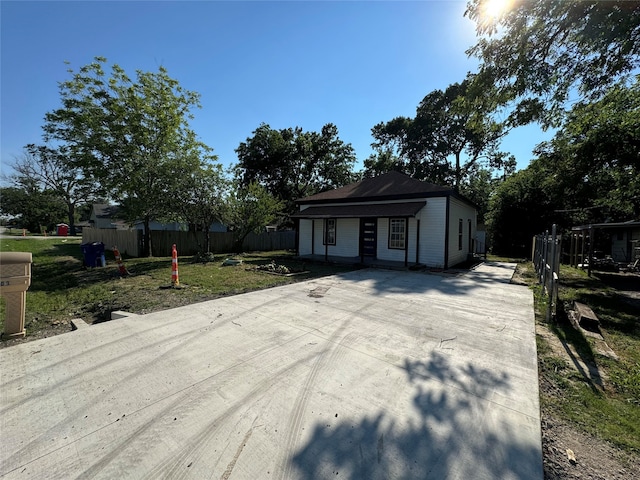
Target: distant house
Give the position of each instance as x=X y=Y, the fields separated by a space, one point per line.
x=625 y=238
x=392 y=217
x=107 y=217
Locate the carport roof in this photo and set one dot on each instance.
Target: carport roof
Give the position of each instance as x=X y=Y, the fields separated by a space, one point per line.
x=408 y=209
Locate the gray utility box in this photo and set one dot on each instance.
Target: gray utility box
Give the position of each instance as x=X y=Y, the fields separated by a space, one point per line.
x=15 y=279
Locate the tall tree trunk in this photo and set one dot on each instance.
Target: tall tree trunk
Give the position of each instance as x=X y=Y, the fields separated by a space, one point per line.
x=71 y=211
x=207 y=239
x=147 y=237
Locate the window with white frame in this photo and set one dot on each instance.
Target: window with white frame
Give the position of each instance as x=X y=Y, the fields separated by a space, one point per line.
x=397 y=233
x=330 y=231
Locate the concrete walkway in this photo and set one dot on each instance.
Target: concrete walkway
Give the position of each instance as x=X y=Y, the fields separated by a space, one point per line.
x=374 y=374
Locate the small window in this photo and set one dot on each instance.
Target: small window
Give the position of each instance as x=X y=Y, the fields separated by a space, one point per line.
x=397 y=229
x=460 y=235
x=330 y=231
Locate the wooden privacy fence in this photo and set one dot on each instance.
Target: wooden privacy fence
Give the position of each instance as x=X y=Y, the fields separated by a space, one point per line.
x=188 y=243
x=546 y=260
x=129 y=242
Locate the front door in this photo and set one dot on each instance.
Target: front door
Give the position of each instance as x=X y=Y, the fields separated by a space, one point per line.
x=368 y=232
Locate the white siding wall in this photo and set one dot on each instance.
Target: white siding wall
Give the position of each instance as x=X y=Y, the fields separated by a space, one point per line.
x=305 y=236
x=460 y=210
x=347 y=238
x=318 y=248
x=432 y=225
x=384 y=252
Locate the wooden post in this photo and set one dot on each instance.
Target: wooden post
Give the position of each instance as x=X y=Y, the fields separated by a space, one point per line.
x=552 y=276
x=406 y=243
x=591 y=240
x=571 y=248
x=417 y=241
x=324 y=240
x=313 y=236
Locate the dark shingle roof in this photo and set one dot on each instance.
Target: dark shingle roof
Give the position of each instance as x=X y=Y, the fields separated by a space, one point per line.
x=389 y=186
x=408 y=209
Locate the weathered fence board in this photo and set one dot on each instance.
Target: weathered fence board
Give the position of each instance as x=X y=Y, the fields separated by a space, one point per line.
x=127 y=241
x=188 y=243
x=546 y=261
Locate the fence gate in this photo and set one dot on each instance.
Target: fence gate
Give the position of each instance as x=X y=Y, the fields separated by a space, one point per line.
x=546 y=260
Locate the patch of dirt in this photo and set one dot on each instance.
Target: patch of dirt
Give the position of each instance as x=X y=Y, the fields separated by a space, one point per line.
x=521 y=274
x=39 y=332
x=595 y=458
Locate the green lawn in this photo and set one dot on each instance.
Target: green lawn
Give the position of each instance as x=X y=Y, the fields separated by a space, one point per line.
x=63 y=289
x=611 y=411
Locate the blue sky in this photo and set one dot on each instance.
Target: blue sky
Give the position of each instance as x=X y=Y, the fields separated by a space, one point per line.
x=286 y=64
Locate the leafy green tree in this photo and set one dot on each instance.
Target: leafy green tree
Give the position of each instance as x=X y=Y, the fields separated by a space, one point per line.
x=595 y=157
x=201 y=199
x=249 y=209
x=519 y=208
x=291 y=163
x=450 y=135
x=588 y=173
x=132 y=136
x=32 y=207
x=537 y=53
x=50 y=168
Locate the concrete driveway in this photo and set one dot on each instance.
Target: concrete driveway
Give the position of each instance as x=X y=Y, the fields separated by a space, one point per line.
x=374 y=374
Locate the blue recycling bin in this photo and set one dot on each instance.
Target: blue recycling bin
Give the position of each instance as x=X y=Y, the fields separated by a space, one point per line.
x=93 y=254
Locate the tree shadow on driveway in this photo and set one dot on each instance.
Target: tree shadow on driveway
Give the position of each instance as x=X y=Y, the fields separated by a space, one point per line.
x=452 y=429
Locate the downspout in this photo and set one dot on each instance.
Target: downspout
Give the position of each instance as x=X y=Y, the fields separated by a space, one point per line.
x=446 y=234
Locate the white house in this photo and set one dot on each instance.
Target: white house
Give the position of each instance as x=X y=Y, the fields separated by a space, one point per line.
x=392 y=217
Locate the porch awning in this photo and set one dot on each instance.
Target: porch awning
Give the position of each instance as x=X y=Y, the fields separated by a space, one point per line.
x=408 y=209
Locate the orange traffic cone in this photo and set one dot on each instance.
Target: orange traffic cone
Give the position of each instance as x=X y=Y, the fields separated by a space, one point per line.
x=121 y=267
x=175 y=281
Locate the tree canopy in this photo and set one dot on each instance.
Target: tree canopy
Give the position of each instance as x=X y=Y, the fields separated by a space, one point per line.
x=49 y=167
x=131 y=136
x=249 y=209
x=536 y=53
x=291 y=163
x=588 y=173
x=451 y=134
x=200 y=200
x=32 y=206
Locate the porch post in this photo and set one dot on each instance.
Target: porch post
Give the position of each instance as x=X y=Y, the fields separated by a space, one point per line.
x=324 y=240
x=417 y=241
x=406 y=244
